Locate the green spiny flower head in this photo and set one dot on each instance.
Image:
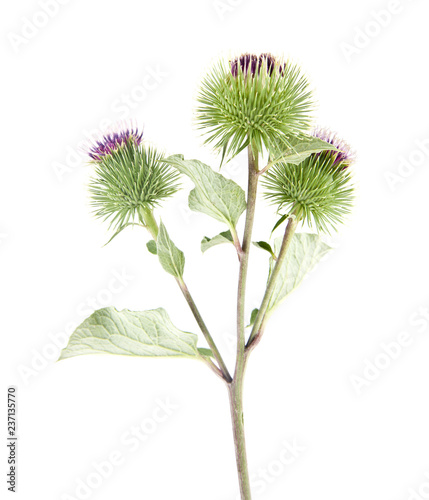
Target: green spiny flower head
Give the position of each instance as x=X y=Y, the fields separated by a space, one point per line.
x=318 y=190
x=258 y=100
x=130 y=178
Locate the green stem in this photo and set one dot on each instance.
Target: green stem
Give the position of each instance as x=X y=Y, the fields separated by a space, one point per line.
x=236 y=242
x=213 y=367
x=244 y=262
x=236 y=387
x=235 y=392
x=152 y=226
x=260 y=317
x=204 y=329
x=149 y=222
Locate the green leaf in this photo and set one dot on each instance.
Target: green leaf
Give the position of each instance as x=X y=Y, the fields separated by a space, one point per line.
x=279 y=222
x=225 y=237
x=253 y=317
x=151 y=246
x=299 y=149
x=214 y=195
x=304 y=253
x=170 y=257
x=131 y=333
x=205 y=352
x=265 y=246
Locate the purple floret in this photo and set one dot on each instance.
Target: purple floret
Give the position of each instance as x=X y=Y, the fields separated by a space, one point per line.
x=344 y=154
x=252 y=64
x=112 y=141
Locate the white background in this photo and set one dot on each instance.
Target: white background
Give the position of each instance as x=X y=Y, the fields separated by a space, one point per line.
x=67 y=75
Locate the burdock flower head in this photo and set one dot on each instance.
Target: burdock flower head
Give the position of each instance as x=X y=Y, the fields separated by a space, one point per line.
x=130 y=179
x=318 y=190
x=113 y=141
x=256 y=99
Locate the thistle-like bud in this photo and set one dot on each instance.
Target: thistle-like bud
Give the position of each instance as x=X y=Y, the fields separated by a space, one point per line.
x=344 y=153
x=130 y=178
x=318 y=190
x=113 y=141
x=256 y=99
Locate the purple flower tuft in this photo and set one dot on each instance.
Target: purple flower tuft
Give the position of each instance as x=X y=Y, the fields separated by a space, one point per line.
x=252 y=64
x=344 y=155
x=112 y=141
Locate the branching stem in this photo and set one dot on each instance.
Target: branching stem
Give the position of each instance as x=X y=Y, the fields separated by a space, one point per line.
x=260 y=317
x=151 y=225
x=204 y=329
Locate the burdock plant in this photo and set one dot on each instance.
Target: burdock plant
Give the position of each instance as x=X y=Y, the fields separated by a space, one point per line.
x=255 y=102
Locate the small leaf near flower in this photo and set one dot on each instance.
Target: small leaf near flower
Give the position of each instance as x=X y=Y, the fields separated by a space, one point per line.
x=214 y=195
x=263 y=245
x=298 y=149
x=224 y=237
x=253 y=315
x=170 y=257
x=151 y=246
x=279 y=222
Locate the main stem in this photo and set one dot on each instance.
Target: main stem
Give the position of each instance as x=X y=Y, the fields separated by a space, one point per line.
x=235 y=388
x=235 y=391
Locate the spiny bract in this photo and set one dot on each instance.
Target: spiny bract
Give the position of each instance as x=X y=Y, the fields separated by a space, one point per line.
x=258 y=100
x=129 y=177
x=318 y=190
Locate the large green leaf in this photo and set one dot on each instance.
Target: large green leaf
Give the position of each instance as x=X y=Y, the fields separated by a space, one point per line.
x=214 y=195
x=146 y=333
x=303 y=254
x=225 y=237
x=299 y=149
x=170 y=257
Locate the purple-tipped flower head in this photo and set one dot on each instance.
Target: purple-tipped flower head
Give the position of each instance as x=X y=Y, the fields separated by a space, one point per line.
x=114 y=140
x=344 y=155
x=254 y=99
x=251 y=64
